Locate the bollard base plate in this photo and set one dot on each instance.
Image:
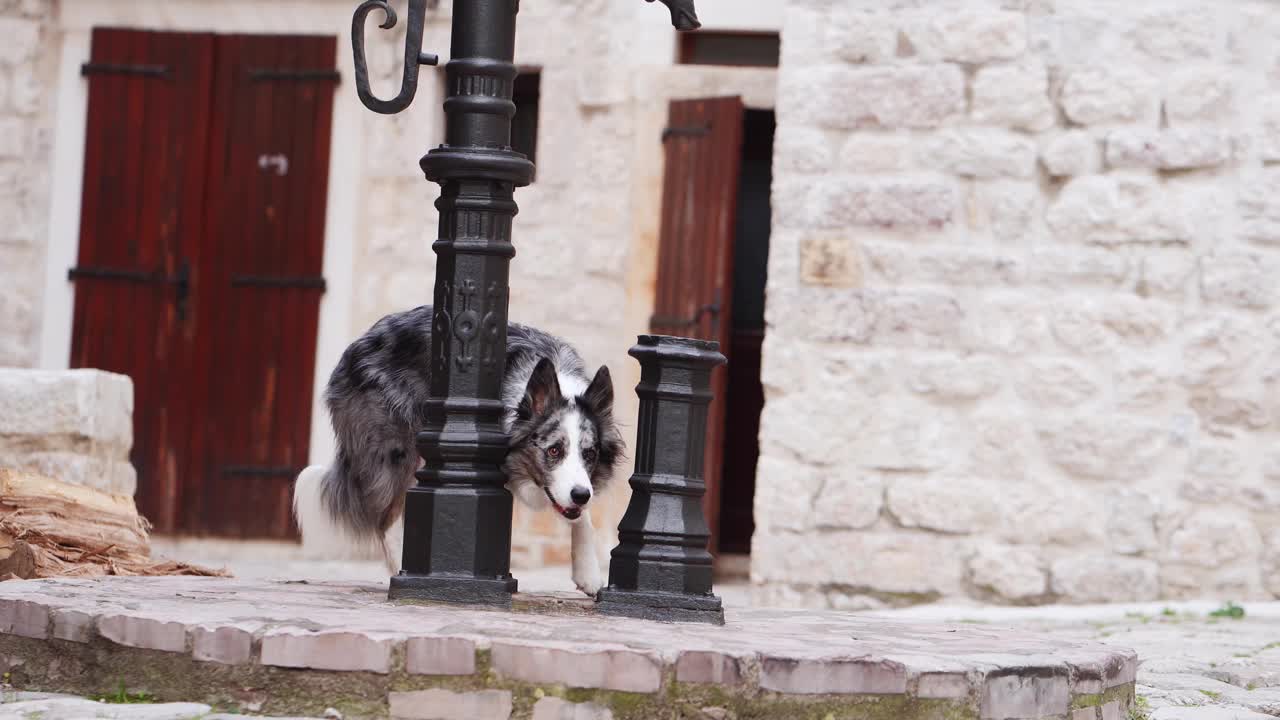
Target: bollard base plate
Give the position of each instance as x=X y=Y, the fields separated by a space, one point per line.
x=495 y=592
x=661 y=606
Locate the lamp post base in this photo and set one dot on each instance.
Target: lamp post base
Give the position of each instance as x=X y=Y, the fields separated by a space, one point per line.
x=662 y=606
x=495 y=592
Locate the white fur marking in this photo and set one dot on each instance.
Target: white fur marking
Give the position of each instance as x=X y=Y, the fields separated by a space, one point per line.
x=570 y=473
x=321 y=536
x=586 y=566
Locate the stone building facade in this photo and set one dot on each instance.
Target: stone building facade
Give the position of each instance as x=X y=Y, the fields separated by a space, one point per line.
x=1023 y=335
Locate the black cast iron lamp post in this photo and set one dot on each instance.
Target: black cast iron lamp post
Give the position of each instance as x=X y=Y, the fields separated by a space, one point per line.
x=457 y=522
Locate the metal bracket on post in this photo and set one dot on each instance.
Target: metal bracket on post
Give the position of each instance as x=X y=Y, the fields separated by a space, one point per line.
x=413 y=55
x=661 y=569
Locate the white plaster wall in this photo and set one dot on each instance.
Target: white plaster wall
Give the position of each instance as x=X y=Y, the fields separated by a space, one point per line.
x=1022 y=339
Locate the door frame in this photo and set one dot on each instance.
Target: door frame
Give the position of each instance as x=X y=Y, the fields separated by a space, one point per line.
x=74 y=24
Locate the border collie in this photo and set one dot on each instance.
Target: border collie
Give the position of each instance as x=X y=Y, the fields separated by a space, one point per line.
x=564 y=444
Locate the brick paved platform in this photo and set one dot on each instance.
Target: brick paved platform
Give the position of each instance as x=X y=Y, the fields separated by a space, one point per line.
x=298 y=648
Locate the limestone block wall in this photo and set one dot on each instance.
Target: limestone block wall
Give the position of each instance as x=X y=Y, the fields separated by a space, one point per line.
x=1023 y=339
x=27 y=65
x=72 y=425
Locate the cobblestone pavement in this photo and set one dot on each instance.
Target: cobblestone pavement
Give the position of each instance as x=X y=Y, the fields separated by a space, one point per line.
x=1194 y=664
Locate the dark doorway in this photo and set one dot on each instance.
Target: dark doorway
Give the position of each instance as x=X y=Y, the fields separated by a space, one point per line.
x=745 y=394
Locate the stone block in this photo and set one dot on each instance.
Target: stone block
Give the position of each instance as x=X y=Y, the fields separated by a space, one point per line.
x=21 y=41
x=13 y=138
x=1105 y=578
x=227 y=645
x=1010 y=211
x=943 y=686
x=872 y=152
x=437 y=704
x=625 y=670
x=117 y=477
x=953 y=505
x=708 y=667
x=1217 y=348
x=1199 y=94
x=73 y=625
x=841 y=677
x=1055 y=383
x=905 y=203
x=1116 y=209
x=890 y=562
x=1238 y=279
x=1011 y=573
x=894 y=264
x=967 y=35
x=1174 y=149
x=143 y=632
x=290 y=647
x=1267 y=137
x=1078 y=267
x=553 y=708
x=1177 y=34
x=1014 y=96
x=831 y=261
x=849 y=499
x=1103 y=449
x=784 y=493
x=803 y=149
x=440 y=656
x=26 y=619
x=66 y=410
x=1131 y=522
x=1025 y=695
x=1214 y=538
x=1086 y=713
x=1258 y=206
x=980 y=153
x=1108 y=94
x=897 y=96
x=1073 y=152
x=952 y=379
x=858 y=36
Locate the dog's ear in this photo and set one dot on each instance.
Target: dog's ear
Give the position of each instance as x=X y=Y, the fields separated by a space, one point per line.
x=599 y=394
x=543 y=390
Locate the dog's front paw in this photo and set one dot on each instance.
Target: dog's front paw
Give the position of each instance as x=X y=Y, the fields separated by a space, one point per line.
x=588 y=578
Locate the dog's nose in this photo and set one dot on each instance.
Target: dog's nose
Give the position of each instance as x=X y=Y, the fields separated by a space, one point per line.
x=580 y=495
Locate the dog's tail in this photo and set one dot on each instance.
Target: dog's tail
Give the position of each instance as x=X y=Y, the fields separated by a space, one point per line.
x=325 y=533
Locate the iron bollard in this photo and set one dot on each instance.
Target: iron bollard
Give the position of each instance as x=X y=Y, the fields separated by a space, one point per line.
x=661 y=569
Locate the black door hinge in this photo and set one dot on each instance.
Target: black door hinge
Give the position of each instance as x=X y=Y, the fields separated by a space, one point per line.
x=261 y=74
x=689 y=131
x=98 y=68
x=279 y=281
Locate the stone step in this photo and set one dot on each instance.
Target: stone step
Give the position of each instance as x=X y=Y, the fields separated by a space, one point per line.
x=292 y=648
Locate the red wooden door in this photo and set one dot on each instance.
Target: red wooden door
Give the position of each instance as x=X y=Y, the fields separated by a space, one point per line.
x=199 y=272
x=261 y=281
x=703 y=145
x=140 y=220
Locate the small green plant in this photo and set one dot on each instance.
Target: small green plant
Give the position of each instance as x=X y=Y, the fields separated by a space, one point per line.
x=1140 y=710
x=124 y=697
x=1169 y=612
x=1211 y=694
x=1230 y=610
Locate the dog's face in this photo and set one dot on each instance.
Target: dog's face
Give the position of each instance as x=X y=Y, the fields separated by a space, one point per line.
x=566 y=445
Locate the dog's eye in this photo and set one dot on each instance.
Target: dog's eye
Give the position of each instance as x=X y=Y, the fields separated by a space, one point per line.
x=589 y=455
x=554 y=452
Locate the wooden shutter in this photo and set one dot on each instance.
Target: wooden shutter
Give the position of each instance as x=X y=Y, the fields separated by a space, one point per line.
x=261 y=285
x=140 y=213
x=703 y=145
